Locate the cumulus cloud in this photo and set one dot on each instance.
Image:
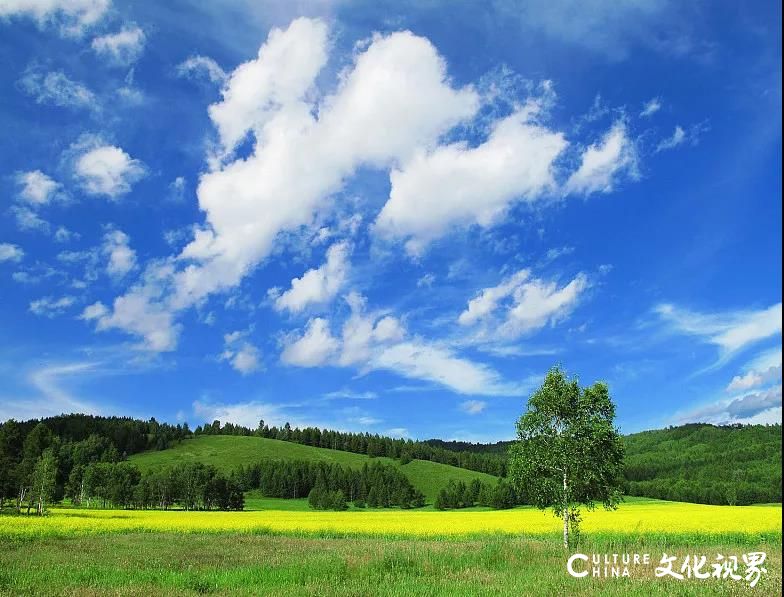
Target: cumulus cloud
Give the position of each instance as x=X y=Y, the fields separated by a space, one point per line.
x=313 y=348
x=247 y=414
x=459 y=185
x=202 y=66
x=107 y=170
x=521 y=304
x=9 y=252
x=377 y=341
x=754 y=378
x=50 y=307
x=317 y=286
x=730 y=331
x=122 y=48
x=36 y=188
x=141 y=311
x=71 y=16
x=390 y=110
x=121 y=258
x=241 y=354
x=603 y=163
x=55 y=88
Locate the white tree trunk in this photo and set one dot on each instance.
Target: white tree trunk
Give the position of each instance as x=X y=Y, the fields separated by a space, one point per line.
x=565 y=514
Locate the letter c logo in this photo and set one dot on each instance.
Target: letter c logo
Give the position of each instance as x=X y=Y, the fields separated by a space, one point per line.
x=570 y=565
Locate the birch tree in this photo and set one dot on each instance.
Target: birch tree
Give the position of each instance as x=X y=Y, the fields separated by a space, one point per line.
x=568 y=453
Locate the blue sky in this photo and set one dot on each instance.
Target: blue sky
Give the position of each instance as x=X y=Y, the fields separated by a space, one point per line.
x=390 y=217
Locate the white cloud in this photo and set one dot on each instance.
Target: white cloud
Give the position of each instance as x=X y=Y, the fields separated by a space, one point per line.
x=27 y=219
x=678 y=136
x=317 y=286
x=50 y=307
x=731 y=331
x=141 y=311
x=107 y=170
x=53 y=399
x=198 y=66
x=426 y=281
x=457 y=185
x=603 y=163
x=371 y=341
x=63 y=235
x=762 y=407
x=526 y=304
x=241 y=354
x=651 y=107
x=487 y=300
x=9 y=252
x=247 y=414
x=177 y=189
x=420 y=360
x=681 y=136
x=350 y=395
x=754 y=379
x=473 y=407
x=763 y=370
x=36 y=187
x=121 y=48
x=394 y=99
x=57 y=89
x=313 y=348
x=121 y=257
x=391 y=107
x=72 y=16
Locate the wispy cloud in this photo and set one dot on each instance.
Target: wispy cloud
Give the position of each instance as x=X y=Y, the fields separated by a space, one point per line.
x=730 y=331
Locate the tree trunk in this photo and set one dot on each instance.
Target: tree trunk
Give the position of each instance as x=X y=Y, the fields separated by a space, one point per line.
x=565 y=514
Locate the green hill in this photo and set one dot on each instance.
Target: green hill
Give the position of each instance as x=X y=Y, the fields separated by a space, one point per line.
x=227 y=452
x=706 y=463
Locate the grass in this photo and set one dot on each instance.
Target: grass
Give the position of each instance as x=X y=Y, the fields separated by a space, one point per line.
x=371 y=552
x=176 y=564
x=227 y=452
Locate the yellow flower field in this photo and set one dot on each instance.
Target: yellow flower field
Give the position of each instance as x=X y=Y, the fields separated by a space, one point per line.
x=644 y=517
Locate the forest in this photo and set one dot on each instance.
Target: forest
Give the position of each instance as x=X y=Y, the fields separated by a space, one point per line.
x=82 y=457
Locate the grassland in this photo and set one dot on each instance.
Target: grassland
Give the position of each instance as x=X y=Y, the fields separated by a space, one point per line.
x=176 y=564
x=229 y=451
x=371 y=552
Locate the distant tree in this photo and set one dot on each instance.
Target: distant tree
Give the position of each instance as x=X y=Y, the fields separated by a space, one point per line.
x=43 y=481
x=568 y=453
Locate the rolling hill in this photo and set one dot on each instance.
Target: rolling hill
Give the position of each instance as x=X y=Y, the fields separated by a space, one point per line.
x=227 y=452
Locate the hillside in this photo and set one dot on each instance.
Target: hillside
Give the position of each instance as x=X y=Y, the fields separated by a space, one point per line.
x=706 y=463
x=227 y=452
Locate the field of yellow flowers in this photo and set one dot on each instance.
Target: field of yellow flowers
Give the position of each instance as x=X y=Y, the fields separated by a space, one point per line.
x=652 y=517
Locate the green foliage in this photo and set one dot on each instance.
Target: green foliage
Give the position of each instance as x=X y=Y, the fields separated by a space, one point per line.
x=457 y=494
x=568 y=451
x=706 y=464
x=321 y=498
x=297 y=478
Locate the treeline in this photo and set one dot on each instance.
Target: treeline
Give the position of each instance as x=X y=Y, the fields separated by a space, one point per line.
x=707 y=464
x=376 y=485
x=71 y=441
x=373 y=445
x=458 y=494
x=193 y=486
